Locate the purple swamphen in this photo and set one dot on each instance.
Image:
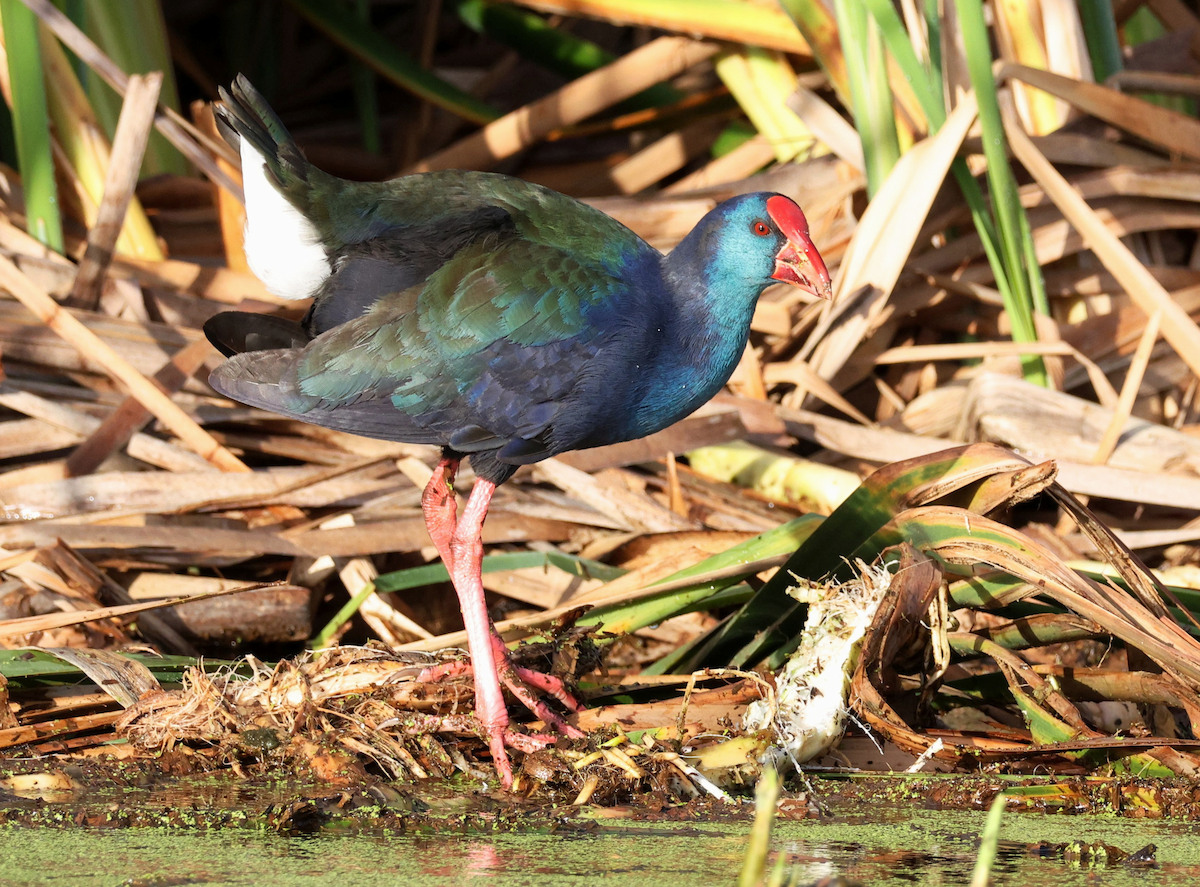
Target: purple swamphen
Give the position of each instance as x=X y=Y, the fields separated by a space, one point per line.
x=497 y=319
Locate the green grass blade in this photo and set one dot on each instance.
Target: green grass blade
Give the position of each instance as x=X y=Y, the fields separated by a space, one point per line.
x=870 y=94
x=766 y=796
x=933 y=28
x=1005 y=199
x=373 y=49
x=927 y=85
x=989 y=841
x=365 y=100
x=895 y=36
x=1103 y=43
x=31 y=123
x=341 y=617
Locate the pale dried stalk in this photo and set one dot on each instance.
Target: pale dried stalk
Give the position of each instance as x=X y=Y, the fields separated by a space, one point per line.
x=145 y=447
x=126 y=420
x=125 y=162
x=92 y=347
x=1129 y=390
x=1174 y=131
x=970 y=351
x=1146 y=292
x=667 y=155
x=742 y=161
x=658 y=60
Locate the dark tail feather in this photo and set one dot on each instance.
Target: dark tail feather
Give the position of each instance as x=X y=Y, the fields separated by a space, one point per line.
x=236 y=332
x=247 y=113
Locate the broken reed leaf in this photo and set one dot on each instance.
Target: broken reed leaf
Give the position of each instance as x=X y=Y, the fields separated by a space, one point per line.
x=875 y=260
x=754 y=24
x=121 y=677
x=889 y=490
x=957 y=536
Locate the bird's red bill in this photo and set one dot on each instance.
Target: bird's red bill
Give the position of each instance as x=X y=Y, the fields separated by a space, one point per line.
x=798 y=262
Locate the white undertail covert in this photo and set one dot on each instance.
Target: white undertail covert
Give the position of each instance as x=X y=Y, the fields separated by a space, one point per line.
x=282 y=246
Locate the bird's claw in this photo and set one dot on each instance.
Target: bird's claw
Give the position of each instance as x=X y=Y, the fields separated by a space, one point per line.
x=521 y=682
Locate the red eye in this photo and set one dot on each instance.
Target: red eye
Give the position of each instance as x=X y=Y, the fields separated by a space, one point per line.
x=761 y=228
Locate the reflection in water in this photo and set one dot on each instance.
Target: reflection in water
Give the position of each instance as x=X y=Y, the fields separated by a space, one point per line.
x=926 y=847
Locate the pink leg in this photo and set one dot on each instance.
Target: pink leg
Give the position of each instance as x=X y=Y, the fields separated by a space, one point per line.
x=461 y=547
x=466 y=546
x=440 y=508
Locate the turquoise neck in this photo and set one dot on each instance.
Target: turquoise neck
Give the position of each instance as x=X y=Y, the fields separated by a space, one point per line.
x=706 y=332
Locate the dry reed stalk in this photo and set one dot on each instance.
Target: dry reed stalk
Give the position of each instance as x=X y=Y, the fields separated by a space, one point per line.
x=86 y=154
x=970 y=351
x=1155 y=81
x=127 y=419
x=1146 y=292
x=744 y=160
x=828 y=125
x=151 y=450
x=217 y=284
x=800 y=374
x=1174 y=131
x=658 y=60
x=1129 y=390
x=667 y=155
x=125 y=162
x=91 y=347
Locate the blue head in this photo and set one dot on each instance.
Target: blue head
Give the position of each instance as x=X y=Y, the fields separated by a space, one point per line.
x=748 y=242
